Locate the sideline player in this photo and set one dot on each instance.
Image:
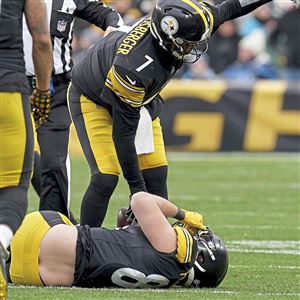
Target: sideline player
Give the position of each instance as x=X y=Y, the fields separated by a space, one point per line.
x=51 y=174
x=16 y=128
x=49 y=250
x=114 y=97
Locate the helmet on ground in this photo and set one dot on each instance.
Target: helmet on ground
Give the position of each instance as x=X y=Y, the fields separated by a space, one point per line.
x=182 y=27
x=211 y=264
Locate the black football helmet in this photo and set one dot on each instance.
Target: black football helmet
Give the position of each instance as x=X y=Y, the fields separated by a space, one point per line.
x=182 y=27
x=211 y=264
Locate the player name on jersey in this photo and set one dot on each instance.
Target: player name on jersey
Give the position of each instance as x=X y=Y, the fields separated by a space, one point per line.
x=133 y=37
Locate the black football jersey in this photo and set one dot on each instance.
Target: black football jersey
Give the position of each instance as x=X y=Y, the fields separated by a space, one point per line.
x=12 y=65
x=128 y=64
x=123 y=72
x=125 y=258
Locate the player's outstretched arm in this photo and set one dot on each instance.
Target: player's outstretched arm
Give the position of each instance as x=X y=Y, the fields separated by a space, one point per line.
x=151 y=212
x=36 y=18
x=232 y=9
x=96 y=12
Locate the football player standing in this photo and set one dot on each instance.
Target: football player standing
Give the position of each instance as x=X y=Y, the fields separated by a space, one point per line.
x=16 y=128
x=114 y=95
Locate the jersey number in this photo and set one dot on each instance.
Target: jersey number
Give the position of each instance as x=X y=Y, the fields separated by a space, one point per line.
x=147 y=63
x=131 y=278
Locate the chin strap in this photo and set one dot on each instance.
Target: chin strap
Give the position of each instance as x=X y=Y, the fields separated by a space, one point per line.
x=209 y=251
x=199 y=267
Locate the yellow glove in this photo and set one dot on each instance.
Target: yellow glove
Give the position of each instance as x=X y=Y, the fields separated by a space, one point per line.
x=40 y=106
x=192 y=219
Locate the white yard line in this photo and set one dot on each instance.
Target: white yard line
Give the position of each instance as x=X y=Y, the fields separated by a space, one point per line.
x=265 y=247
x=169 y=291
x=264 y=267
x=189 y=197
x=257 y=185
x=262 y=251
x=256 y=294
x=253 y=214
x=267 y=243
x=260 y=227
x=232 y=156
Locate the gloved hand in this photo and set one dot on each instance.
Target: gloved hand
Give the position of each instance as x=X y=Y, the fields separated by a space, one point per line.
x=126 y=217
x=40 y=106
x=192 y=219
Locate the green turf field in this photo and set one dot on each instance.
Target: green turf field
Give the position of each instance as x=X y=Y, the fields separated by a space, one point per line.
x=251 y=201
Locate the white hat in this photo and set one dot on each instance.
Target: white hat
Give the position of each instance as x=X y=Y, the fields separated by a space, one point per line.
x=254 y=42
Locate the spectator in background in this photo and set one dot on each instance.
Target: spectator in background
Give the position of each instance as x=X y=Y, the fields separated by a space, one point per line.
x=145 y=6
x=83 y=41
x=253 y=62
x=258 y=20
x=127 y=9
x=223 y=47
x=285 y=40
x=200 y=70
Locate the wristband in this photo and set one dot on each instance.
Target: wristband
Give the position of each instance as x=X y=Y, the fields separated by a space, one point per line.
x=180 y=215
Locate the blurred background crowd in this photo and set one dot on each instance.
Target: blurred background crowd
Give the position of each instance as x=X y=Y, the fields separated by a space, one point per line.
x=261 y=45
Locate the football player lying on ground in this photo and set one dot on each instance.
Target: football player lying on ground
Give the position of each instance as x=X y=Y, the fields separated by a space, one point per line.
x=48 y=250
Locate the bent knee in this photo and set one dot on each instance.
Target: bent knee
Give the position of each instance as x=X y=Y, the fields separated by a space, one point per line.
x=105 y=183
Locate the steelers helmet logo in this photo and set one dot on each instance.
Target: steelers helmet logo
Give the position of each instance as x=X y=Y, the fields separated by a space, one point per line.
x=169 y=25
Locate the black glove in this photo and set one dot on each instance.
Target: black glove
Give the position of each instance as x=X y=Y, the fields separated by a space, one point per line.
x=40 y=106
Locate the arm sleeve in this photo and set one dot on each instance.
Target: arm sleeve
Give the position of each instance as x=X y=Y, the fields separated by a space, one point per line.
x=96 y=12
x=185 y=245
x=125 y=99
x=232 y=9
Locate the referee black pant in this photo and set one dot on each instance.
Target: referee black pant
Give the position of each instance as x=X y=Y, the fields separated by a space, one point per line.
x=53 y=140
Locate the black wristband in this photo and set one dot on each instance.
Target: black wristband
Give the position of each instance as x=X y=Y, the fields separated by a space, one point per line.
x=180 y=215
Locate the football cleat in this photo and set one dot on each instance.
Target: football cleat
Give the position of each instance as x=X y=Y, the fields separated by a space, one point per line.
x=3 y=278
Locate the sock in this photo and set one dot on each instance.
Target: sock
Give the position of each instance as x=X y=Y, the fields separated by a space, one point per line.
x=6 y=235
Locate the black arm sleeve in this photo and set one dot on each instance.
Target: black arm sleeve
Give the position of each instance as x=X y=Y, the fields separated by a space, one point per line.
x=232 y=9
x=125 y=122
x=97 y=13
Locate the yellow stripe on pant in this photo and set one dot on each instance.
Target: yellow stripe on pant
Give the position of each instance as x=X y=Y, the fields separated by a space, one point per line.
x=98 y=127
x=12 y=139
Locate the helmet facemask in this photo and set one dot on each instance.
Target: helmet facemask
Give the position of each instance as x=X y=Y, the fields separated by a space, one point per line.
x=181 y=30
x=188 y=51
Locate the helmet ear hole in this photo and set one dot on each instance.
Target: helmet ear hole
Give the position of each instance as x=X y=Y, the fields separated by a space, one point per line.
x=201 y=257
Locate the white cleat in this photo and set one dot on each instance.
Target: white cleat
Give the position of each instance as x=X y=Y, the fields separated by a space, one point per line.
x=3 y=278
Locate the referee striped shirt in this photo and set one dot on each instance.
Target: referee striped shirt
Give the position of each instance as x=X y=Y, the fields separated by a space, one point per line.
x=61 y=17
